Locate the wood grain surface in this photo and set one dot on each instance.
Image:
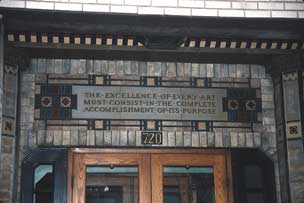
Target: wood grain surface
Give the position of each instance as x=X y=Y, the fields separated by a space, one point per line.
x=150 y=163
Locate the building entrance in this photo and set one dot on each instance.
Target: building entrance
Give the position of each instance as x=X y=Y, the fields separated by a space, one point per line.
x=149 y=176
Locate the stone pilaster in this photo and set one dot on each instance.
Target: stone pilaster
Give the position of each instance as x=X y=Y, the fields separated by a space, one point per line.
x=9 y=63
x=281 y=140
x=288 y=82
x=9 y=135
x=1 y=74
x=14 y=61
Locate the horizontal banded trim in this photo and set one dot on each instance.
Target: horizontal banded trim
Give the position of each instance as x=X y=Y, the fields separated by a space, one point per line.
x=118 y=40
x=53 y=38
x=243 y=44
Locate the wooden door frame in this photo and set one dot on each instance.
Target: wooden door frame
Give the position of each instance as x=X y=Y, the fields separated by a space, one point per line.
x=91 y=156
x=81 y=160
x=216 y=161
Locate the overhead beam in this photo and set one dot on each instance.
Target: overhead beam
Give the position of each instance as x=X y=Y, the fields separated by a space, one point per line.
x=204 y=55
x=139 y=25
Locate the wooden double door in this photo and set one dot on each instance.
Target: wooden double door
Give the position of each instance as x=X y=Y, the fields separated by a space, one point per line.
x=149 y=176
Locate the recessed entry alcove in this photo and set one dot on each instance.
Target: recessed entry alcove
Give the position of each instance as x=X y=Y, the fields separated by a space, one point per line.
x=114 y=108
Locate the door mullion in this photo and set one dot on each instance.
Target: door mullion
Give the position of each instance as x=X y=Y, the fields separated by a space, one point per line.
x=145 y=179
x=79 y=179
x=157 y=179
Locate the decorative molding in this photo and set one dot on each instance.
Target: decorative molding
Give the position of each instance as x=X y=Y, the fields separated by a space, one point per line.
x=293 y=130
x=164 y=42
x=8 y=126
x=75 y=39
x=11 y=70
x=56 y=100
x=290 y=76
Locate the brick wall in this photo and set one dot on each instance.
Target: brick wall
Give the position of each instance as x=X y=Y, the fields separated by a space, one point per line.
x=221 y=8
x=33 y=133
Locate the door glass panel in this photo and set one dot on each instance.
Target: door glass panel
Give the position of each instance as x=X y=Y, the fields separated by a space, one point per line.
x=254 y=184
x=253 y=177
x=112 y=184
x=188 y=184
x=254 y=197
x=43 y=184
